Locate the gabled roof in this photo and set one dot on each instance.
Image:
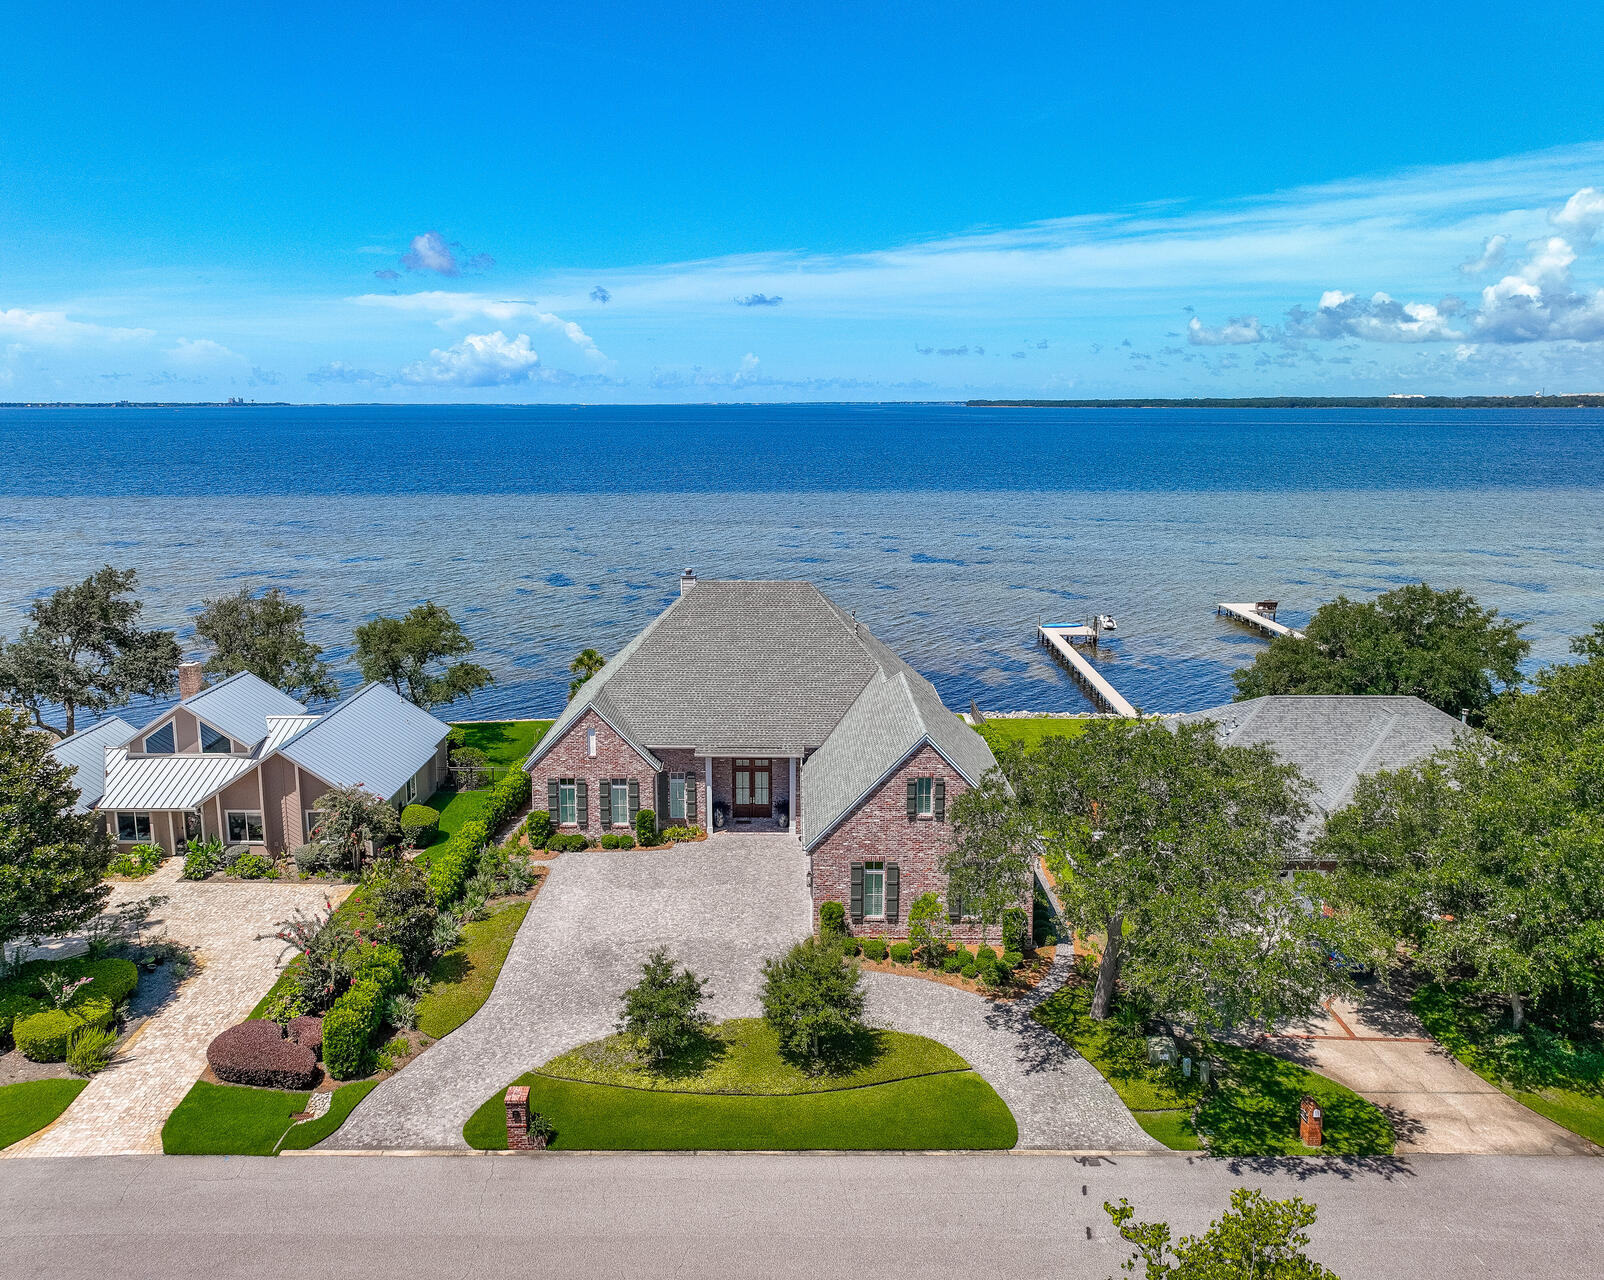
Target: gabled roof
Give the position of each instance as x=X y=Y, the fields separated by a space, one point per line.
x=240 y=705
x=897 y=713
x=85 y=751
x=374 y=739
x=1335 y=739
x=763 y=668
x=168 y=782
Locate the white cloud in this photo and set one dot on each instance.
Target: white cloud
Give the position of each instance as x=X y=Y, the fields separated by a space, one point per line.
x=1540 y=303
x=201 y=351
x=479 y=360
x=1237 y=331
x=55 y=327
x=1379 y=318
x=1491 y=256
x=432 y=252
x=1582 y=215
x=452 y=309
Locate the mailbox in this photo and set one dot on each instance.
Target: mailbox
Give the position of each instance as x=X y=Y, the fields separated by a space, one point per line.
x=1309 y=1122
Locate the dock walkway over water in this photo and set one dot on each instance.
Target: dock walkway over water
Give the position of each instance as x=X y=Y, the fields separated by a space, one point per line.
x=1251 y=615
x=1060 y=639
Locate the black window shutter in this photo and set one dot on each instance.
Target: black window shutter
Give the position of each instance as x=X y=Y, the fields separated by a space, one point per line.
x=913 y=797
x=857 y=892
x=955 y=908
x=662 y=797
x=939 y=790
x=606 y=798
x=552 y=801
x=634 y=798
x=581 y=802
x=690 y=797
x=893 y=890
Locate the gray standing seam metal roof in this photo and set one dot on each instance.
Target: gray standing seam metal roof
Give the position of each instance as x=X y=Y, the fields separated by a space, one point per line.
x=240 y=705
x=375 y=739
x=85 y=751
x=180 y=781
x=1335 y=739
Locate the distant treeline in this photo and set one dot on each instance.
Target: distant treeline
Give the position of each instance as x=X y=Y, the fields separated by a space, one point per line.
x=1312 y=402
x=145 y=404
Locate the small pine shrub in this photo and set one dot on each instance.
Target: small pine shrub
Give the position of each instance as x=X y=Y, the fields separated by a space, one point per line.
x=645 y=828
x=985 y=953
x=874 y=949
x=832 y=921
x=902 y=952
x=969 y=968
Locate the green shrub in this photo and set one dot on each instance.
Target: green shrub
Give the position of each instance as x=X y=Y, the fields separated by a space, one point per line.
x=419 y=825
x=16 y=1004
x=617 y=840
x=539 y=827
x=874 y=949
x=691 y=832
x=902 y=952
x=383 y=965
x=253 y=866
x=110 y=979
x=832 y=921
x=645 y=828
x=814 y=1001
x=849 y=945
x=349 y=1028
x=138 y=862
x=954 y=962
x=89 y=1051
x=1011 y=960
x=1015 y=929
x=929 y=932
x=969 y=968
x=203 y=858
x=312 y=857
x=991 y=972
x=568 y=842
x=458 y=737
x=452 y=863
x=46 y=1036
x=985 y=953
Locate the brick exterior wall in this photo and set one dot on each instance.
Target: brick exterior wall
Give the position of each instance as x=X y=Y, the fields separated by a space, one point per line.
x=879 y=830
x=684 y=761
x=614 y=758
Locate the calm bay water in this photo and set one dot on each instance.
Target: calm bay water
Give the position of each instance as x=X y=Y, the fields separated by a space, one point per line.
x=950 y=531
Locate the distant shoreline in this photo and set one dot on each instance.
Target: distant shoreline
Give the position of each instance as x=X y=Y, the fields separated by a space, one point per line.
x=1588 y=400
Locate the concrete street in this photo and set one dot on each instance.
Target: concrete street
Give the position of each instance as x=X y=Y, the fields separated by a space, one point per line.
x=814 y=1216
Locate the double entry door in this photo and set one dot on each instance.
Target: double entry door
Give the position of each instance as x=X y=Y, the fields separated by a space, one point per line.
x=752 y=789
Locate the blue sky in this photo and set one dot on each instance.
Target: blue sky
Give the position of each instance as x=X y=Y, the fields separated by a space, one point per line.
x=652 y=203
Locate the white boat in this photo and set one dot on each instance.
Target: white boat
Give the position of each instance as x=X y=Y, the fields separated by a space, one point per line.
x=1105 y=622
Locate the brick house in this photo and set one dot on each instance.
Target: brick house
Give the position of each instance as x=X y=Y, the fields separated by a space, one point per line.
x=246 y=763
x=763 y=706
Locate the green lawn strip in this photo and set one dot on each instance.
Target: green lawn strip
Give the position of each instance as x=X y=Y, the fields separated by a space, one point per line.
x=742 y=1056
x=455 y=808
x=504 y=741
x=29 y=1106
x=308 y=1133
x=952 y=1111
x=1449 y=1020
x=1172 y=1128
x=461 y=980
x=1253 y=1110
x=230 y=1120
x=1029 y=732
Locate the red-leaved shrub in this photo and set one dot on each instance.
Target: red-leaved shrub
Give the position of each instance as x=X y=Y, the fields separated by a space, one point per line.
x=307 y=1031
x=257 y=1053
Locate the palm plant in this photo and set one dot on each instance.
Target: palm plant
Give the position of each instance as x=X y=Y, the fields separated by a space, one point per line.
x=587 y=664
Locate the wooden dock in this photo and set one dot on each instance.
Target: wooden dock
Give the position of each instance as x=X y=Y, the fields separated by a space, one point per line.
x=1250 y=615
x=1061 y=640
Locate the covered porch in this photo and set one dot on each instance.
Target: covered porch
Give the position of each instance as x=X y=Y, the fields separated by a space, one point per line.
x=752 y=793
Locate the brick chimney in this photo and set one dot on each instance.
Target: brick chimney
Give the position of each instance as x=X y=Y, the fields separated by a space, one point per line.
x=687 y=580
x=191 y=679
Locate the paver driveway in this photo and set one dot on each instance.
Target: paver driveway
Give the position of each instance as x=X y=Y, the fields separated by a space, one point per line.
x=720 y=907
x=123 y=1109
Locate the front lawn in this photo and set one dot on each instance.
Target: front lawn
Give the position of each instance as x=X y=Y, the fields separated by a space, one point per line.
x=455 y=808
x=737 y=1092
x=955 y=1110
x=1555 y=1077
x=461 y=980
x=237 y=1120
x=1250 y=1110
x=1029 y=731
x=28 y=1107
x=505 y=741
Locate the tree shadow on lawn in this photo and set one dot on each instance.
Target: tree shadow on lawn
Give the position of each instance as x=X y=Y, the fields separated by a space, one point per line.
x=842 y=1056
x=1254 y=1109
x=697 y=1058
x=451 y=968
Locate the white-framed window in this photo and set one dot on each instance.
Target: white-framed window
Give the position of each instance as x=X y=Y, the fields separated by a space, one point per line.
x=874 y=890
x=214 y=743
x=244 y=826
x=412 y=789
x=160 y=743
x=925 y=797
x=620 y=801
x=133 y=827
x=567 y=802
x=676 y=795
x=590 y=743
x=313 y=819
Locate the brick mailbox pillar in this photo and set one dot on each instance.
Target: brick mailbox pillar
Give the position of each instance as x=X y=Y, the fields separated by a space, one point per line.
x=1309 y=1122
x=518 y=1118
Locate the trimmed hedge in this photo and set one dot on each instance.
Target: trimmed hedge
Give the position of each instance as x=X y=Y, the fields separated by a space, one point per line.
x=645 y=828
x=540 y=828
x=257 y=1053
x=567 y=842
x=832 y=920
x=111 y=980
x=14 y=1005
x=354 y=1020
x=419 y=824
x=44 y=1037
x=454 y=862
x=874 y=949
x=307 y=1031
x=902 y=952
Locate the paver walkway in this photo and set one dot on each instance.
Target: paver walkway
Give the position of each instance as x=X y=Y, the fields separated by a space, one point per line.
x=1377 y=1048
x=123 y=1109
x=721 y=907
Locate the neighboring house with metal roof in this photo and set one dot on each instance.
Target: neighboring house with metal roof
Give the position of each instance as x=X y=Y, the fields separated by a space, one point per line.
x=1334 y=739
x=246 y=763
x=764 y=706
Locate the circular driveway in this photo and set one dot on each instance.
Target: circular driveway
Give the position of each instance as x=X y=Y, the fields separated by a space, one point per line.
x=721 y=907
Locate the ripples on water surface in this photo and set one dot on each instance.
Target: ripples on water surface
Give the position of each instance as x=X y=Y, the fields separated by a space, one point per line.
x=950 y=531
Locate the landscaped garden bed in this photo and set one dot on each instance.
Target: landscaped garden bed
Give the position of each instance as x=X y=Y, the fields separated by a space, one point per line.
x=1030 y=970
x=1249 y=1107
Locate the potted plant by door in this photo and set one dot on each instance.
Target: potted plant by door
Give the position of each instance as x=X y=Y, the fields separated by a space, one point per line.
x=721 y=814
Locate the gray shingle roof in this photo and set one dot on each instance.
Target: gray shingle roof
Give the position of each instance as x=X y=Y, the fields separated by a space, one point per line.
x=240 y=705
x=1335 y=739
x=761 y=668
x=375 y=738
x=85 y=751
